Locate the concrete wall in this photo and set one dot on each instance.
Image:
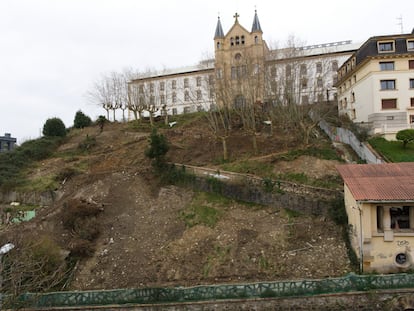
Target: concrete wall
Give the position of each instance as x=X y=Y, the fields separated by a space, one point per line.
x=364 y=151
x=33 y=198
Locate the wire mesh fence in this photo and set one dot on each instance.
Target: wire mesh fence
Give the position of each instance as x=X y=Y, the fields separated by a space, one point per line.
x=349 y=283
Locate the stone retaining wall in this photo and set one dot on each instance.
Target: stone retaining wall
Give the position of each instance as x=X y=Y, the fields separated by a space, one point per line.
x=249 y=188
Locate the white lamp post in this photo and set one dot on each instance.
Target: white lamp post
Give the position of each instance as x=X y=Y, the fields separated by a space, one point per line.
x=3 y=250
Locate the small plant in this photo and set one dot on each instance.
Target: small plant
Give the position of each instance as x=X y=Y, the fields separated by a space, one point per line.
x=101 y=122
x=268 y=184
x=66 y=173
x=88 y=143
x=292 y=213
x=215 y=184
x=263 y=262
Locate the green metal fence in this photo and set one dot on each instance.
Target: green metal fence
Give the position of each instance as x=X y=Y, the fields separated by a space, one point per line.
x=348 y=283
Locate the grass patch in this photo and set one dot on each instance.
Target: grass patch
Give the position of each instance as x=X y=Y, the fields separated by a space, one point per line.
x=393 y=150
x=205 y=209
x=14 y=210
x=290 y=213
x=44 y=183
x=249 y=167
x=328 y=182
x=322 y=152
x=13 y=164
x=201 y=215
x=144 y=125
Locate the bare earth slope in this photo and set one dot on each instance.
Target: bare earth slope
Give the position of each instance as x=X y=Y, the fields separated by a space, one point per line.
x=144 y=238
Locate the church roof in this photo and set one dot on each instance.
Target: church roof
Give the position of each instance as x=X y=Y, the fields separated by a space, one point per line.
x=256 y=24
x=219 y=30
x=379 y=182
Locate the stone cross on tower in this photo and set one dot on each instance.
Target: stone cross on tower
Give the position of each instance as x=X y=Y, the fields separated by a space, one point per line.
x=236 y=16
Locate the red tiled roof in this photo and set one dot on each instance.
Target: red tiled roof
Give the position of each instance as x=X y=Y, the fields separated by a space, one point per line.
x=379 y=182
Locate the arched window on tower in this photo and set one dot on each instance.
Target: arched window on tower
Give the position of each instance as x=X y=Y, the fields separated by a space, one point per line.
x=256 y=39
x=218 y=45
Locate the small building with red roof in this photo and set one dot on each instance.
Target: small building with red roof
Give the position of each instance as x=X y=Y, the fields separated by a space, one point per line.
x=379 y=201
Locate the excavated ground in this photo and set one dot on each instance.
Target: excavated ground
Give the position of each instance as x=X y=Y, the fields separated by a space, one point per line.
x=145 y=240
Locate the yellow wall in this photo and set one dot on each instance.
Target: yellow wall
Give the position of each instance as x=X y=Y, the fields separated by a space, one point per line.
x=378 y=253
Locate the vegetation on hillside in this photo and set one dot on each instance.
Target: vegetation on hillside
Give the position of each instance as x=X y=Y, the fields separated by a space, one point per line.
x=13 y=164
x=82 y=224
x=393 y=151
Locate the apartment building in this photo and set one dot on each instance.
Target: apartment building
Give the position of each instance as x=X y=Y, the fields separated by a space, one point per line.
x=376 y=84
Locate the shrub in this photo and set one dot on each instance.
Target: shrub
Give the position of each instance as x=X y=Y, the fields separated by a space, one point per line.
x=81 y=120
x=87 y=143
x=337 y=211
x=65 y=173
x=13 y=163
x=75 y=211
x=157 y=150
x=82 y=248
x=54 y=127
x=405 y=136
x=101 y=122
x=80 y=218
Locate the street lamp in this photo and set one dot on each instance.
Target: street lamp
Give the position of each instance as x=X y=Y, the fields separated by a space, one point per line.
x=3 y=250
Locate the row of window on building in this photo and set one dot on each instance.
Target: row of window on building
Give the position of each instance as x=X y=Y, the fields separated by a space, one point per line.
x=385 y=84
x=196 y=96
x=303 y=69
x=163 y=84
x=388 y=46
x=386 y=104
x=382 y=47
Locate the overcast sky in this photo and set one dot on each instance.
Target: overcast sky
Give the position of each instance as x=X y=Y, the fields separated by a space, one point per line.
x=51 y=51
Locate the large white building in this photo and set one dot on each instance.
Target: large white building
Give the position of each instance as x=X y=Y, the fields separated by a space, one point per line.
x=376 y=84
x=307 y=73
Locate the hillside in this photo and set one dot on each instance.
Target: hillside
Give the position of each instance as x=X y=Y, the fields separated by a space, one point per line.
x=149 y=234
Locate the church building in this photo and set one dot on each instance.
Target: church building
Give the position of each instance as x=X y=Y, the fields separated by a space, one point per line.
x=244 y=69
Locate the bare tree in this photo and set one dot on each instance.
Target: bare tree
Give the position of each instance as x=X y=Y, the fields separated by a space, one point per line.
x=219 y=117
x=295 y=87
x=145 y=96
x=135 y=105
x=112 y=92
x=103 y=93
x=34 y=265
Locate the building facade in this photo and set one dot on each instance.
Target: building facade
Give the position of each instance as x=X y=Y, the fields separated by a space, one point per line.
x=376 y=84
x=244 y=68
x=379 y=202
x=7 y=142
